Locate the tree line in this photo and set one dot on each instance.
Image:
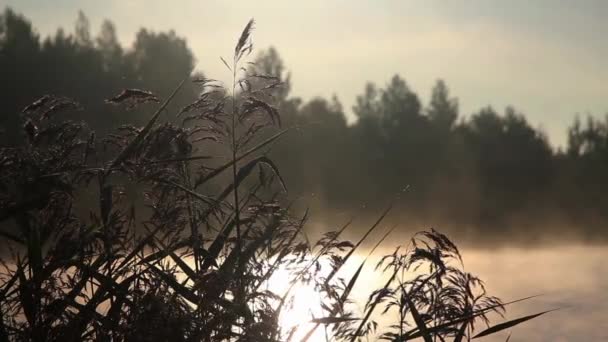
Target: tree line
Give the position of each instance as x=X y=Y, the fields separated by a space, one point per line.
x=487 y=173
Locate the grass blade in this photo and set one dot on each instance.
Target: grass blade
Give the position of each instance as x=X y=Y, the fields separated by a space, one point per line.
x=363 y=238
x=333 y=320
x=126 y=152
x=417 y=318
x=415 y=333
x=245 y=154
x=506 y=325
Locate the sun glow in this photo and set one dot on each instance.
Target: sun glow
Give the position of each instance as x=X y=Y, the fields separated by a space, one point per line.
x=303 y=304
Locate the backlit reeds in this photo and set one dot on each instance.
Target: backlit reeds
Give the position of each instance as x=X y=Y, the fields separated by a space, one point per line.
x=142 y=236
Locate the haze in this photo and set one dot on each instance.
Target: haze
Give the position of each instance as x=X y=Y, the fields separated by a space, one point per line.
x=486 y=121
x=547 y=58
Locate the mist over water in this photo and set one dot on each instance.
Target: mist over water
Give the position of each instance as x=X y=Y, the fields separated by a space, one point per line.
x=527 y=214
x=572 y=278
x=569 y=277
x=567 y=270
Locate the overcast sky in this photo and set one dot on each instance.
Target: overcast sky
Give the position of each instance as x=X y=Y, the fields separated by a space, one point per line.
x=548 y=58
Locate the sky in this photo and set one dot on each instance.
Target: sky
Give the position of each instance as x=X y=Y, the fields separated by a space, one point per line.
x=548 y=58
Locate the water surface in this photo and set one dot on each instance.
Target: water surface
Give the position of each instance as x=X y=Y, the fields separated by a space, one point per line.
x=573 y=278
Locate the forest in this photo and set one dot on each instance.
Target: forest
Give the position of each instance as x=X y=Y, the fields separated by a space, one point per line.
x=141 y=200
x=488 y=173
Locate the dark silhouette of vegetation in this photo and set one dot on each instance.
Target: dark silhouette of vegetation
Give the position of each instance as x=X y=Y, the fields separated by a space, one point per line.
x=194 y=262
x=86 y=68
x=488 y=173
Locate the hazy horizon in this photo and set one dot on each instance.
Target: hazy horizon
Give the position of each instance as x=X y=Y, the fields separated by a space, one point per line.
x=546 y=63
x=260 y=208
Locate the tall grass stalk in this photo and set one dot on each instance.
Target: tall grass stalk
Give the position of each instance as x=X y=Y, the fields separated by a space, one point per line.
x=163 y=252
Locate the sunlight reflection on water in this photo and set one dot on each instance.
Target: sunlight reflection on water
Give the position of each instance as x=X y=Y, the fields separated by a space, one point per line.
x=304 y=304
x=573 y=278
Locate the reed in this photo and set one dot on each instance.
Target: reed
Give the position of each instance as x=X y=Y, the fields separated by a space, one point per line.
x=142 y=236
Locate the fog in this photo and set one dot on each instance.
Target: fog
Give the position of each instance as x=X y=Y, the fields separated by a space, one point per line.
x=488 y=172
x=571 y=278
x=545 y=57
x=484 y=122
